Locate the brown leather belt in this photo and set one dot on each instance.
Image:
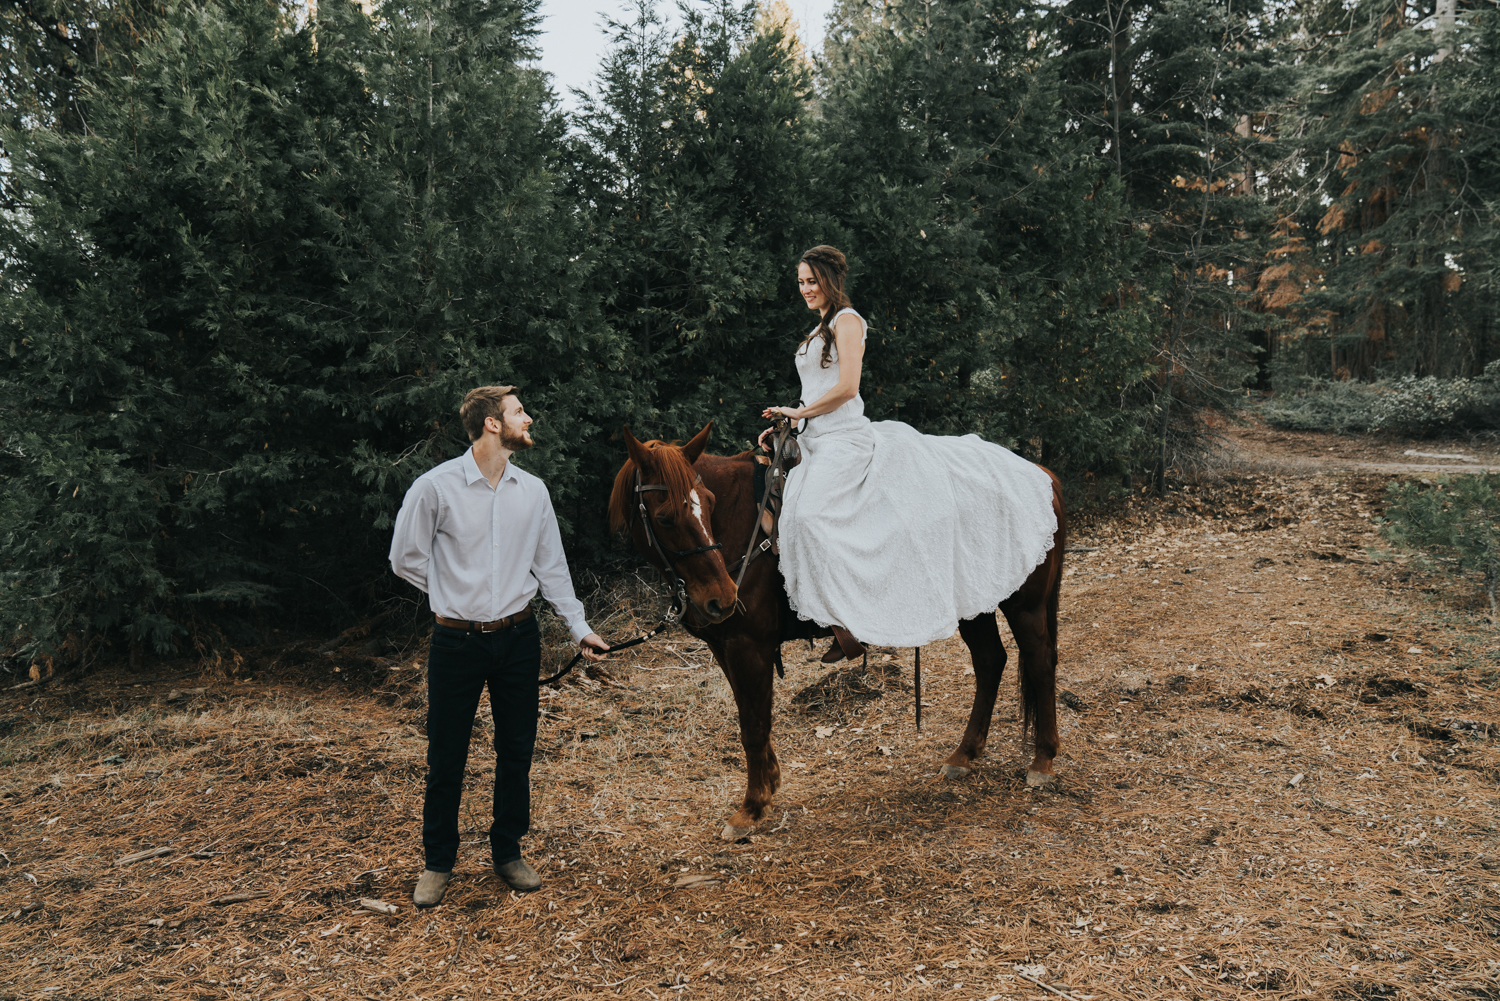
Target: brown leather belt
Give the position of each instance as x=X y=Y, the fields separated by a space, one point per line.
x=469 y=626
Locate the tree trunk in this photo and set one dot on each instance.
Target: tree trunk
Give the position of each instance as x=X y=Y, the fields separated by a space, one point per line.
x=1447 y=18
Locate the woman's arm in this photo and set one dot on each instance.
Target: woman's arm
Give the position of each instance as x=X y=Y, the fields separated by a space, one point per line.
x=849 y=336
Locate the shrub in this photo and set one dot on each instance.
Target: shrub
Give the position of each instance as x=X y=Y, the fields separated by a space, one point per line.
x=1457 y=518
x=1408 y=405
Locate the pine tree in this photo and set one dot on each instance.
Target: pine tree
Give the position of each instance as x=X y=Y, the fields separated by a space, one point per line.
x=1172 y=96
x=1389 y=144
x=696 y=165
x=245 y=305
x=463 y=261
x=1457 y=519
x=987 y=243
x=159 y=272
x=53 y=48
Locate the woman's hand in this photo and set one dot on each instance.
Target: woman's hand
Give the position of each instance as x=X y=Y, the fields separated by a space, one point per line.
x=790 y=412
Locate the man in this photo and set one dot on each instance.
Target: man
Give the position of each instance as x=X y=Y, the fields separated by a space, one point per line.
x=479 y=536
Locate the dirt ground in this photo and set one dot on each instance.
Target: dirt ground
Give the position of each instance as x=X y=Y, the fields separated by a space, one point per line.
x=1278 y=779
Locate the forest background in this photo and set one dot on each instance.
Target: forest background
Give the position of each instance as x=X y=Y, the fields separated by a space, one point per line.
x=255 y=254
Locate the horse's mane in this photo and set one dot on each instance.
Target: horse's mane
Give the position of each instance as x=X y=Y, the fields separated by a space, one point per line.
x=671 y=469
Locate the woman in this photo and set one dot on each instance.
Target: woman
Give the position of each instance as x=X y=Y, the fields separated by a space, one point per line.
x=889 y=535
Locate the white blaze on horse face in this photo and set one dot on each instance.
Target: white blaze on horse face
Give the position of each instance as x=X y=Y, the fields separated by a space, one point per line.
x=696 y=503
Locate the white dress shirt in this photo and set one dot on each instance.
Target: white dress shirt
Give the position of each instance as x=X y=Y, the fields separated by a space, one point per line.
x=481 y=553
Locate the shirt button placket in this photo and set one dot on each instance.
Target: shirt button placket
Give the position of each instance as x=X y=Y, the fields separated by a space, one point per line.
x=495 y=551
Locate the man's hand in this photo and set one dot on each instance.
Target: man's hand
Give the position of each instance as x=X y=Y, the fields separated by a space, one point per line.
x=592 y=647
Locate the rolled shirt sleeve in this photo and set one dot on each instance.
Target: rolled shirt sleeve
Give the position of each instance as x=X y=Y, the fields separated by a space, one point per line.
x=416 y=525
x=550 y=568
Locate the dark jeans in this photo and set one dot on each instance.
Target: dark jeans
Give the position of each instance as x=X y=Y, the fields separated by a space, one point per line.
x=459 y=665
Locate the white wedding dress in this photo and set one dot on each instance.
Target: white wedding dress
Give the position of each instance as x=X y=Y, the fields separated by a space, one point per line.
x=896 y=535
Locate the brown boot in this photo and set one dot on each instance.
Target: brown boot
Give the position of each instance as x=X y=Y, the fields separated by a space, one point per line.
x=844 y=645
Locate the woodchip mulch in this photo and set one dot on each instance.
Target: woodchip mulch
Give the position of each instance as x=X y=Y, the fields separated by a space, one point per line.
x=1279 y=780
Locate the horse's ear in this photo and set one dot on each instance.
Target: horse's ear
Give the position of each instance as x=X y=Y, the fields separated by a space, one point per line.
x=693 y=449
x=639 y=454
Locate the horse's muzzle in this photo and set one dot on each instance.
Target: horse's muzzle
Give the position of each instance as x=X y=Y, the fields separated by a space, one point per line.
x=713 y=611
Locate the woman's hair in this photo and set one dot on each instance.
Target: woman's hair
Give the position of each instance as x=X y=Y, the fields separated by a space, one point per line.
x=830 y=268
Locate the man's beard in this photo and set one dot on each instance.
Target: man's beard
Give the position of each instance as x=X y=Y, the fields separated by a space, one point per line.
x=516 y=441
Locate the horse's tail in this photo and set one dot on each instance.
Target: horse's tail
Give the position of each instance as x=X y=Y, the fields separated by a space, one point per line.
x=1034 y=688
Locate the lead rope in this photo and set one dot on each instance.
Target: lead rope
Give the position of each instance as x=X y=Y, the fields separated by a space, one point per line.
x=673 y=614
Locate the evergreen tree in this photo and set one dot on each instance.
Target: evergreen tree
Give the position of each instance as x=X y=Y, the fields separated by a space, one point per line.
x=245 y=304
x=696 y=166
x=1171 y=94
x=1457 y=519
x=462 y=259
x=1390 y=143
x=53 y=47
x=159 y=271
x=987 y=243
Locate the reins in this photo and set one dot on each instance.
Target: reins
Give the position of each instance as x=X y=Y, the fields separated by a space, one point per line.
x=782 y=449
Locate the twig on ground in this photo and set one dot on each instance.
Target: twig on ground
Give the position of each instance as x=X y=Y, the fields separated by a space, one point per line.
x=617 y=983
x=1048 y=987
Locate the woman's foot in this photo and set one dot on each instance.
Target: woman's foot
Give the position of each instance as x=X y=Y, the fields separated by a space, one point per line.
x=844 y=645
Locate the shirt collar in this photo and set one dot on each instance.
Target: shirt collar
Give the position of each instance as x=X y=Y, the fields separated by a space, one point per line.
x=472 y=474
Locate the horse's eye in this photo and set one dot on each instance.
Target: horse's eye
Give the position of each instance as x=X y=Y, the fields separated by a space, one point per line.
x=666 y=520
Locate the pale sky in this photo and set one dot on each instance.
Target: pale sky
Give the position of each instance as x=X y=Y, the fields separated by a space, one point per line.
x=573 y=45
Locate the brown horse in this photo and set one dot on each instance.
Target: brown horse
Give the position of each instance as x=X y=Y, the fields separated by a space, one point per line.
x=701 y=508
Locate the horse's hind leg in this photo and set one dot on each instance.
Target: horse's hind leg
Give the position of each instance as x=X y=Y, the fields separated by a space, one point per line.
x=982 y=634
x=1036 y=645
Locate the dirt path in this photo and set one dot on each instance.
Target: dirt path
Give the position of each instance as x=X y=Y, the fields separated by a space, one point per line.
x=1259 y=446
x=1279 y=780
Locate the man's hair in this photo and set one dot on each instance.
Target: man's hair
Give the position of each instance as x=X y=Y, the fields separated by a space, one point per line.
x=486 y=401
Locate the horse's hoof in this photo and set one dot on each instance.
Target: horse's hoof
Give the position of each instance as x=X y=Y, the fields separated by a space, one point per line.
x=1039 y=779
x=732 y=833
x=954 y=772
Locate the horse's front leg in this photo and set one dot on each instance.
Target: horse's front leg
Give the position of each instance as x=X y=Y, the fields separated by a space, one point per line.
x=748 y=665
x=982 y=635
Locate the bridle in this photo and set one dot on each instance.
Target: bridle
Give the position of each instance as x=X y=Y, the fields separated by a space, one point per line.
x=668 y=556
x=783 y=454
x=679 y=586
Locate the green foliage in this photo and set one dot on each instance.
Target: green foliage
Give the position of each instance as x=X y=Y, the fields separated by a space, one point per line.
x=252 y=263
x=1458 y=519
x=1167 y=94
x=1389 y=195
x=989 y=251
x=51 y=46
x=695 y=165
x=1408 y=405
x=244 y=306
